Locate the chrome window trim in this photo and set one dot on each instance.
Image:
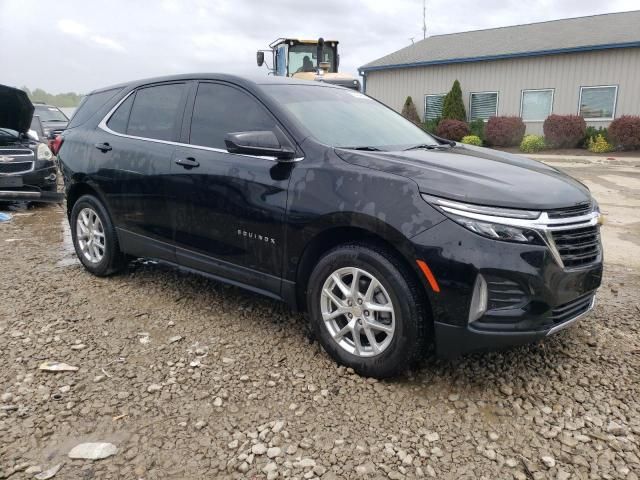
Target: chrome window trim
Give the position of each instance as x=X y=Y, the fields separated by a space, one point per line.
x=571 y=321
x=103 y=126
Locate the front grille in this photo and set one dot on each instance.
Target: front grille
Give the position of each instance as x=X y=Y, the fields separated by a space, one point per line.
x=504 y=293
x=578 y=247
x=15 y=167
x=576 y=211
x=15 y=152
x=571 y=309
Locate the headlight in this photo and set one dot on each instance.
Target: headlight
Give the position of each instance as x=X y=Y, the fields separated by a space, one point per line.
x=44 y=153
x=492 y=222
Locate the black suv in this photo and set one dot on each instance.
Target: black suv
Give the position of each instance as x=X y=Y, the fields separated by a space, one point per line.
x=27 y=168
x=322 y=197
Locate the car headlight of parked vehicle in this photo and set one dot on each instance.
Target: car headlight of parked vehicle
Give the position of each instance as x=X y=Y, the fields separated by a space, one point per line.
x=511 y=225
x=44 y=153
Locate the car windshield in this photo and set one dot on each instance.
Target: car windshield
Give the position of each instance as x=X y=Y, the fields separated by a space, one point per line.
x=50 y=114
x=343 y=118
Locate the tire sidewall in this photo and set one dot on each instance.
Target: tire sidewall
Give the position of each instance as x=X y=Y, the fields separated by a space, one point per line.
x=103 y=266
x=400 y=349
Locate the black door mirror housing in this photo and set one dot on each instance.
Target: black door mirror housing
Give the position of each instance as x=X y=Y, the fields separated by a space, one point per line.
x=260 y=143
x=260 y=58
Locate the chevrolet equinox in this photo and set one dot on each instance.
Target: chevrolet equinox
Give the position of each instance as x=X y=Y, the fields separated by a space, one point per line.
x=319 y=196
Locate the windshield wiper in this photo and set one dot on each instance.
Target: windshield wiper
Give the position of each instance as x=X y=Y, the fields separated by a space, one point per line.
x=368 y=148
x=427 y=146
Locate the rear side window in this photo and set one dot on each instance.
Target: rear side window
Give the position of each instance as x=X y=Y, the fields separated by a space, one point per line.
x=120 y=118
x=156 y=112
x=90 y=105
x=221 y=109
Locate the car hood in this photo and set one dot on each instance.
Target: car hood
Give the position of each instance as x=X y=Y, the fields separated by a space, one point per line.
x=478 y=175
x=16 y=110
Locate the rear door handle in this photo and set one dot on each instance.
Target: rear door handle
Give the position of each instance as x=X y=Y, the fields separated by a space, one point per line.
x=188 y=162
x=103 y=147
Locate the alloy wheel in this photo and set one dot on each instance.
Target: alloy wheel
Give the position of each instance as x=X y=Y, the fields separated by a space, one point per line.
x=357 y=311
x=90 y=235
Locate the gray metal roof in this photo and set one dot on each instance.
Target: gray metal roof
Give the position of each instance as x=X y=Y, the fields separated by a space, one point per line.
x=613 y=30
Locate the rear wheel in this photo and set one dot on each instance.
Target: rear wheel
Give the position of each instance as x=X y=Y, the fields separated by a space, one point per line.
x=94 y=237
x=366 y=310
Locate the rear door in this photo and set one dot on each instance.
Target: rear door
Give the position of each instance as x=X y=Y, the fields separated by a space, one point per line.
x=133 y=151
x=229 y=209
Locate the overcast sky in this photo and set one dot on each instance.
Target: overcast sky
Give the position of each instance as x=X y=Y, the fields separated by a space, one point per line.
x=80 y=45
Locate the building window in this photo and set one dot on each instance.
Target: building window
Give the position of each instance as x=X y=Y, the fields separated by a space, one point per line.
x=433 y=106
x=483 y=105
x=598 y=103
x=536 y=105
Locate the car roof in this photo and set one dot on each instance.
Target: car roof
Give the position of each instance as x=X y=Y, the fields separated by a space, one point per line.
x=254 y=81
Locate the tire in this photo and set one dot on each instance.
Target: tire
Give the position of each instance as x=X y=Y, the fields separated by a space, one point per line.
x=107 y=257
x=403 y=339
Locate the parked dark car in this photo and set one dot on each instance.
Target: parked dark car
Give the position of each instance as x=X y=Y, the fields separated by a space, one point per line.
x=322 y=197
x=27 y=168
x=53 y=120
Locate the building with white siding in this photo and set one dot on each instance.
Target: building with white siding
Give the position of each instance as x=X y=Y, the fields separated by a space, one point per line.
x=588 y=66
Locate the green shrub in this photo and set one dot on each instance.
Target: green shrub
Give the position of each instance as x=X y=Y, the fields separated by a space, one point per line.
x=430 y=126
x=593 y=132
x=599 y=144
x=453 y=106
x=472 y=140
x=410 y=112
x=532 y=144
x=477 y=128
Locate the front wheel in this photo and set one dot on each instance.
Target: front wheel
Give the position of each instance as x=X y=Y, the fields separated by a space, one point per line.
x=366 y=310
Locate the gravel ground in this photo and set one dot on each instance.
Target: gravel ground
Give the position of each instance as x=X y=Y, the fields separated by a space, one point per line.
x=189 y=378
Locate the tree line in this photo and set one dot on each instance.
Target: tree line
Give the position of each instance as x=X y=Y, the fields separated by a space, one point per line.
x=70 y=99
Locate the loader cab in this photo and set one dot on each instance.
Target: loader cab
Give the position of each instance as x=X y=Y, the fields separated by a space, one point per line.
x=293 y=56
x=315 y=60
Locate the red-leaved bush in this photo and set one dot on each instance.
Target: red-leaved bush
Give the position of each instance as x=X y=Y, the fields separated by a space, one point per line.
x=624 y=132
x=564 y=131
x=504 y=131
x=452 y=129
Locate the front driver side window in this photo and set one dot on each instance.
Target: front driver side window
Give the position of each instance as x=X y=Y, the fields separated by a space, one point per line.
x=221 y=109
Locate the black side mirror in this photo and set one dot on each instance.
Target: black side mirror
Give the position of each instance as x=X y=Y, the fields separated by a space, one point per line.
x=260 y=58
x=259 y=143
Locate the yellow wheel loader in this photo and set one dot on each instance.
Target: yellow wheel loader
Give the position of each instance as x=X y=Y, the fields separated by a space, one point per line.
x=307 y=60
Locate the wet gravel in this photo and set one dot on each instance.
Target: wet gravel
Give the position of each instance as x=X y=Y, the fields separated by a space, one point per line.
x=192 y=379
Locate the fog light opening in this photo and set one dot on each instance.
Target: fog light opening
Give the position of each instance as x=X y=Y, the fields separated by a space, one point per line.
x=478 y=299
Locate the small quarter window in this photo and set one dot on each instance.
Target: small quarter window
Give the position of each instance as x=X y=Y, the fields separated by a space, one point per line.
x=157 y=112
x=221 y=109
x=120 y=118
x=598 y=103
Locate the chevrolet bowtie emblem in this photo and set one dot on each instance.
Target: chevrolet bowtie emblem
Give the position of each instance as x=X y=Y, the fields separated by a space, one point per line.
x=5 y=158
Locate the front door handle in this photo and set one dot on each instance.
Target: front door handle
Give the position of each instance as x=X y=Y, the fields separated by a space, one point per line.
x=103 y=147
x=188 y=162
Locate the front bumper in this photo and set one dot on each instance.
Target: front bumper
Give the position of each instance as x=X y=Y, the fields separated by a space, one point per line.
x=39 y=184
x=529 y=295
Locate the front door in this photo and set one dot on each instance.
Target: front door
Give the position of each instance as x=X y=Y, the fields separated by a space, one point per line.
x=229 y=209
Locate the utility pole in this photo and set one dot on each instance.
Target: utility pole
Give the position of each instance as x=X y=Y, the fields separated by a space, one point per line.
x=424 y=19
